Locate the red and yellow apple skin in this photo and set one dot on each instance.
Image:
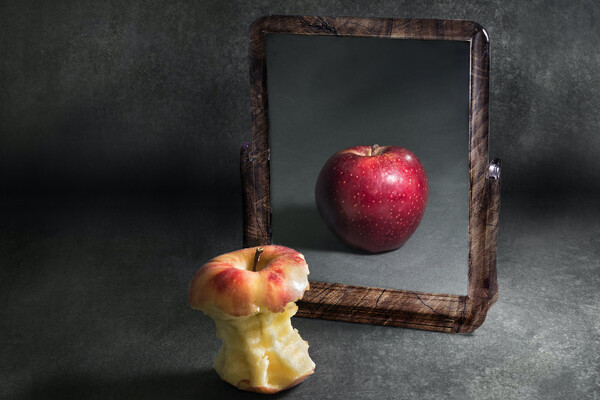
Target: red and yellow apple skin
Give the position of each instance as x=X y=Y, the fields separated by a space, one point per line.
x=372 y=197
x=230 y=284
x=252 y=304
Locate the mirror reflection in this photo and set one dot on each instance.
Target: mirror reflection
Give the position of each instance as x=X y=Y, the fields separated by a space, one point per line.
x=328 y=93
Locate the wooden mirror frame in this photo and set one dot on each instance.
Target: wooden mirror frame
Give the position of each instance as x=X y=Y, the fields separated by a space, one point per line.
x=393 y=307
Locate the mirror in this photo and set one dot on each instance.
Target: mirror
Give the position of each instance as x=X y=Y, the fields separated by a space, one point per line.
x=328 y=93
x=320 y=85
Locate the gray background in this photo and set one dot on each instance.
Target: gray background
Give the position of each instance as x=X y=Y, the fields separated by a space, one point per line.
x=120 y=127
x=153 y=95
x=327 y=94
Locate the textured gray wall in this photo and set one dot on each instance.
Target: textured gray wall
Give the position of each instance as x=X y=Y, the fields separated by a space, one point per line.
x=137 y=96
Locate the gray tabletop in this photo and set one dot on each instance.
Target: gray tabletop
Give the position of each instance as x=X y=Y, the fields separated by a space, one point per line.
x=94 y=295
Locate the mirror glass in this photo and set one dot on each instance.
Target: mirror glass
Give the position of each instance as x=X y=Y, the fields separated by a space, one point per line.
x=328 y=93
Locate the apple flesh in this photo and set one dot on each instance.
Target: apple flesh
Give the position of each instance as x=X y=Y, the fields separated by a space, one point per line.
x=372 y=197
x=250 y=295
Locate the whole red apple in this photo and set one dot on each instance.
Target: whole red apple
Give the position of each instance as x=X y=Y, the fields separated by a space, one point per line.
x=372 y=197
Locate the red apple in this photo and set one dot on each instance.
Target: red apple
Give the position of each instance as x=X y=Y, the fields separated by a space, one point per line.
x=372 y=197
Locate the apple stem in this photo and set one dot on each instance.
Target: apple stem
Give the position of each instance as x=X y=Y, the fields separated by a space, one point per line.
x=374 y=149
x=259 y=251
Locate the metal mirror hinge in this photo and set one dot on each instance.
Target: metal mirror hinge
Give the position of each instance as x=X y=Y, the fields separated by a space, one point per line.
x=494 y=169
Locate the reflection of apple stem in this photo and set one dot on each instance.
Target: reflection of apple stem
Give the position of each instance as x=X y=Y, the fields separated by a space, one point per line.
x=375 y=150
x=257 y=257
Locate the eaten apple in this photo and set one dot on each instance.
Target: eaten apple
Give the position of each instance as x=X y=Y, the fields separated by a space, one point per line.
x=250 y=295
x=372 y=197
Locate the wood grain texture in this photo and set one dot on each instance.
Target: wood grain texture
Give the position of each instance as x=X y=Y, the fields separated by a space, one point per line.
x=436 y=312
x=254 y=168
x=479 y=188
x=394 y=28
x=391 y=307
x=256 y=158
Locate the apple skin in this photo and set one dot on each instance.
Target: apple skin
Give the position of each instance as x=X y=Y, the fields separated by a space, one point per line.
x=372 y=197
x=229 y=283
